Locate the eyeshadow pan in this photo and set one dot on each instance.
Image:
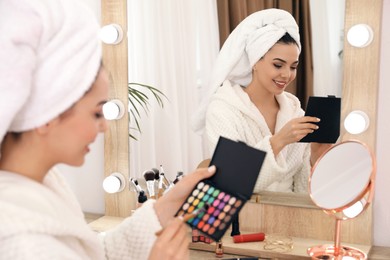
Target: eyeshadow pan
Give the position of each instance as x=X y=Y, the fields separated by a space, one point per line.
x=200 y=185
x=190 y=199
x=216 y=213
x=196 y=202
x=195 y=192
x=232 y=200
x=221 y=205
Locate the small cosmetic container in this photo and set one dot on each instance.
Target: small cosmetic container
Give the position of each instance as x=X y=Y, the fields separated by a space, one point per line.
x=195 y=235
x=219 y=249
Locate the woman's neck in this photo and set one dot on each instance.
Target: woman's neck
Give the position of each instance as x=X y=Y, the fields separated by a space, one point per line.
x=20 y=158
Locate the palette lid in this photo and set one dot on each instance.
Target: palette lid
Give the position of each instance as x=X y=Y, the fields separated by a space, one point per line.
x=328 y=110
x=238 y=166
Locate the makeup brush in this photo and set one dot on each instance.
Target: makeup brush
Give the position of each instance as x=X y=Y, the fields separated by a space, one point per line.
x=165 y=180
x=141 y=198
x=179 y=176
x=136 y=185
x=160 y=189
x=188 y=216
x=149 y=178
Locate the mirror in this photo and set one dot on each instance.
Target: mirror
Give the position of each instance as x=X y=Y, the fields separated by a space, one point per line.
x=166 y=119
x=358 y=70
x=342 y=184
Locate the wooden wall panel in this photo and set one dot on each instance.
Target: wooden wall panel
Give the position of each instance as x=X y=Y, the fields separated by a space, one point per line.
x=116 y=140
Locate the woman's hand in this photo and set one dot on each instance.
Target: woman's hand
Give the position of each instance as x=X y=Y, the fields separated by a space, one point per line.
x=167 y=205
x=317 y=149
x=293 y=131
x=172 y=242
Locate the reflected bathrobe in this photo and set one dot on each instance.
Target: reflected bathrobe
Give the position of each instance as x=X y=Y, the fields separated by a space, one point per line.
x=232 y=114
x=45 y=221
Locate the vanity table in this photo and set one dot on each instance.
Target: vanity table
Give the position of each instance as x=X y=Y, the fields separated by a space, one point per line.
x=202 y=251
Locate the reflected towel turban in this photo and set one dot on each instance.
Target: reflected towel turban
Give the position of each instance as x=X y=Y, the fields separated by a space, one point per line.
x=247 y=43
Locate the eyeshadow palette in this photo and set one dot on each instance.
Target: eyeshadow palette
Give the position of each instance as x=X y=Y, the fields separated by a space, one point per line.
x=218 y=209
x=219 y=198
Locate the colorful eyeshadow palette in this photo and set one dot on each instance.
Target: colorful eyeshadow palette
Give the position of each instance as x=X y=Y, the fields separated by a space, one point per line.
x=222 y=196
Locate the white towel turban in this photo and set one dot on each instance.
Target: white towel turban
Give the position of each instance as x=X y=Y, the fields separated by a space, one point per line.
x=50 y=54
x=247 y=43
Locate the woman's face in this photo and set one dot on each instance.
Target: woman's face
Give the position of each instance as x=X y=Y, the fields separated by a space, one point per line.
x=78 y=127
x=277 y=68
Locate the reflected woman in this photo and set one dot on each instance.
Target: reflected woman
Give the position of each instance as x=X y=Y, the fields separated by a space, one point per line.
x=247 y=100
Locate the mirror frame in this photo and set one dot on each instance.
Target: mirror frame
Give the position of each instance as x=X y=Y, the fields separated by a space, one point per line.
x=361 y=69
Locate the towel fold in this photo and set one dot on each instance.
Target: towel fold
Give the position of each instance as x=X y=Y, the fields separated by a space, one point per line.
x=247 y=43
x=50 y=54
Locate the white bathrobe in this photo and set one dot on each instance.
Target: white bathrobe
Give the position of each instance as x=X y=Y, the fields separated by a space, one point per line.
x=45 y=221
x=232 y=114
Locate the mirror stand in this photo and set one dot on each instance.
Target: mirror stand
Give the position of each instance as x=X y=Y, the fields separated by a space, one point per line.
x=336 y=251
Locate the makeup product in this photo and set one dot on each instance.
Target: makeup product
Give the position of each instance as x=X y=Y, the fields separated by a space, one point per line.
x=328 y=110
x=249 y=238
x=195 y=235
x=157 y=181
x=141 y=198
x=219 y=249
x=235 y=226
x=149 y=178
x=136 y=185
x=189 y=216
x=179 y=175
x=165 y=182
x=238 y=166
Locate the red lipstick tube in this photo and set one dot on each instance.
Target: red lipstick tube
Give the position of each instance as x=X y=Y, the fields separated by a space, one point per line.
x=249 y=237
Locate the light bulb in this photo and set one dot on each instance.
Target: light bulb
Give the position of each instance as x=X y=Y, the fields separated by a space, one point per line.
x=354 y=210
x=111 y=34
x=113 y=109
x=360 y=35
x=114 y=183
x=356 y=122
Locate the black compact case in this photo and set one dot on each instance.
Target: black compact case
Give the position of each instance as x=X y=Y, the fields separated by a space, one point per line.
x=222 y=196
x=328 y=110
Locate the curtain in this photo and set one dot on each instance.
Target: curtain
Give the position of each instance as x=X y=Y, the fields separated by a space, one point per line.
x=232 y=12
x=172 y=47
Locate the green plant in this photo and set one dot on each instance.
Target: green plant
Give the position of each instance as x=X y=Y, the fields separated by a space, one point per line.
x=138 y=98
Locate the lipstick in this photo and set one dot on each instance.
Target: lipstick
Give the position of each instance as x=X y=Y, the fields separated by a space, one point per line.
x=249 y=238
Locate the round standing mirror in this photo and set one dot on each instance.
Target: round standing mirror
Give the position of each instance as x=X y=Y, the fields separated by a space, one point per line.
x=342 y=184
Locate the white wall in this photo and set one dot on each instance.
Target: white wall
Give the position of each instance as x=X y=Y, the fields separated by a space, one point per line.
x=381 y=201
x=86 y=181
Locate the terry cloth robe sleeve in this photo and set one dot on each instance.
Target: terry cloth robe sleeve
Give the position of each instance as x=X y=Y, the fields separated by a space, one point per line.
x=134 y=237
x=231 y=114
x=45 y=222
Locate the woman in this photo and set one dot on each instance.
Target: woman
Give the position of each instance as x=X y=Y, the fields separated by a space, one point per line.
x=53 y=88
x=255 y=65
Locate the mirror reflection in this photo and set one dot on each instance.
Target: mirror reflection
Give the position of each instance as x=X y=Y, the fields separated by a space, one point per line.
x=191 y=59
x=345 y=170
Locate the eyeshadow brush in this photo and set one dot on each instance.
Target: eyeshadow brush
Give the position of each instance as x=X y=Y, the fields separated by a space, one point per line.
x=188 y=216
